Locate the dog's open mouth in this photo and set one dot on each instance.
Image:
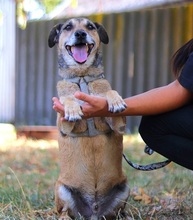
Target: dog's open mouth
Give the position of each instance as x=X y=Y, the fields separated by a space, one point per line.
x=80 y=52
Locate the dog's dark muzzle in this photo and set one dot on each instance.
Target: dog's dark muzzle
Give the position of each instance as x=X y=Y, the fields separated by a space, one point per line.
x=81 y=49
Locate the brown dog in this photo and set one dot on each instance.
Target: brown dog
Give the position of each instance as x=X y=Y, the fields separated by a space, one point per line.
x=91 y=183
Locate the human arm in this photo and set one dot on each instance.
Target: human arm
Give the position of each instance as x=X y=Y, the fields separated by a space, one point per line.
x=155 y=101
x=158 y=100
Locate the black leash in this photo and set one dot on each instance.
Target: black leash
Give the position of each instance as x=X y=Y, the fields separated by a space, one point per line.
x=149 y=167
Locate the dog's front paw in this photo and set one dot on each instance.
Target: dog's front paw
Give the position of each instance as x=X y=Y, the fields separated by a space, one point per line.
x=73 y=112
x=117 y=105
x=115 y=102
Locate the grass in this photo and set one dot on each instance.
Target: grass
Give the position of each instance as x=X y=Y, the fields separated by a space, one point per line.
x=29 y=168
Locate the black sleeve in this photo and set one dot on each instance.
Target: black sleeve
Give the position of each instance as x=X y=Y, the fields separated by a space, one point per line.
x=186 y=76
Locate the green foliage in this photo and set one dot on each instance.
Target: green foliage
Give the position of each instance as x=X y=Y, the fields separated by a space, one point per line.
x=50 y=4
x=22 y=16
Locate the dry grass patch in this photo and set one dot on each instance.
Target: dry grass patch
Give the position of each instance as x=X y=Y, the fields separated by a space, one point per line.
x=29 y=168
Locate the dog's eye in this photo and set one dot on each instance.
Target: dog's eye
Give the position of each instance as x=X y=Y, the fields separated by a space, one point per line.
x=68 y=27
x=90 y=27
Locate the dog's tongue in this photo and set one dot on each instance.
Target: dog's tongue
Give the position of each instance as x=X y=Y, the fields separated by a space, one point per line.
x=80 y=53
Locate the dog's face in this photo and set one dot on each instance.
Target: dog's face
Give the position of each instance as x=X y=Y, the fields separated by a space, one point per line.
x=78 y=40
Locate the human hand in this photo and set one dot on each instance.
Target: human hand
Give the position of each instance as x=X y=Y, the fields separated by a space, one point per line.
x=57 y=106
x=93 y=106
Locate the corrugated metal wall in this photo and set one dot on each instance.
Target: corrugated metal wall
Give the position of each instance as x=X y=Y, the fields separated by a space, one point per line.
x=136 y=59
x=7 y=61
x=36 y=75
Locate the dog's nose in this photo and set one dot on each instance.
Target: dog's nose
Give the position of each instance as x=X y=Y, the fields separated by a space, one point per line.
x=80 y=34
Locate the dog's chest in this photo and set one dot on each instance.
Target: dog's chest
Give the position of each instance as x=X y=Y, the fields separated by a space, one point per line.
x=90 y=127
x=90 y=85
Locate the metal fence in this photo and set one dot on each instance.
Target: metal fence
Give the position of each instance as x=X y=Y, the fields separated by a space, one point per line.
x=136 y=59
x=7 y=61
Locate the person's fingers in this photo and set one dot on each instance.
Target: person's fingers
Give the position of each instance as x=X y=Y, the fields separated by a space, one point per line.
x=57 y=106
x=57 y=103
x=54 y=99
x=85 y=97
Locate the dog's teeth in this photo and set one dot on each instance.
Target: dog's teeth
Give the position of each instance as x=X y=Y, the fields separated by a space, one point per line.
x=87 y=48
x=72 y=49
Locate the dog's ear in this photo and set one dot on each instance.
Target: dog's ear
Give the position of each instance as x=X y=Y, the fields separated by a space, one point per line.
x=54 y=35
x=102 y=33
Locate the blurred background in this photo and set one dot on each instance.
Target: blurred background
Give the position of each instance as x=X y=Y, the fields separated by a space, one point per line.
x=143 y=36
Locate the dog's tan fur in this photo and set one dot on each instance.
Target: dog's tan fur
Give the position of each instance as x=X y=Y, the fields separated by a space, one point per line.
x=91 y=181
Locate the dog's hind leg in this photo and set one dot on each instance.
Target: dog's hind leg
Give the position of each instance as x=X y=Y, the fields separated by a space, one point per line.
x=64 y=216
x=64 y=201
